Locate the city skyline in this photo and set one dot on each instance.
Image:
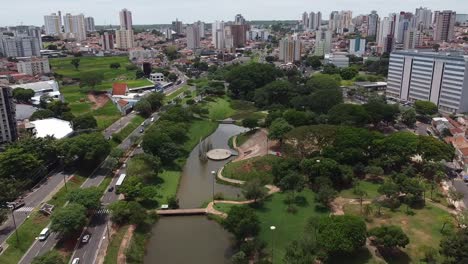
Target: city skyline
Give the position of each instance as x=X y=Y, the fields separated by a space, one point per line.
x=191 y=11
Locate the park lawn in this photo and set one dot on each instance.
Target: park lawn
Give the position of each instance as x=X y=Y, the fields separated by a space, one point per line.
x=244 y=109
x=370 y=188
x=423 y=228
x=113 y=248
x=289 y=226
x=243 y=137
x=254 y=168
x=93 y=64
x=33 y=225
x=199 y=129
x=220 y=109
x=168 y=186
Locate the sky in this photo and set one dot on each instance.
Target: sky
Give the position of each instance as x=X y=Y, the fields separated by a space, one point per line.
x=105 y=12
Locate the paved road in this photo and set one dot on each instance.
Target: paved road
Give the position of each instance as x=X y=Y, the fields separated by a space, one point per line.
x=97 y=225
x=32 y=200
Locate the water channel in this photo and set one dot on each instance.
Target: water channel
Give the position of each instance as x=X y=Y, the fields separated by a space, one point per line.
x=195 y=239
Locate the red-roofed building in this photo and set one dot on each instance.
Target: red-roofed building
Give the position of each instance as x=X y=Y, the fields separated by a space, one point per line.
x=124 y=106
x=119 y=89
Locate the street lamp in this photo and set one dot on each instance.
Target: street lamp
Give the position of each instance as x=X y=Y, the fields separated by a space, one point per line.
x=272 y=228
x=214 y=178
x=63 y=174
x=14 y=223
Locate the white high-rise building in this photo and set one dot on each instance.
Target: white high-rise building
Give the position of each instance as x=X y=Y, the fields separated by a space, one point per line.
x=444 y=26
x=372 y=22
x=89 y=24
x=52 y=24
x=20 y=46
x=357 y=46
x=412 y=39
x=305 y=19
x=218 y=35
x=290 y=50
x=33 y=66
x=126 y=22
x=334 y=21
x=239 y=20
x=201 y=29
x=428 y=76
x=318 y=18
x=75 y=26
x=193 y=37
x=423 y=18
x=124 y=39
x=385 y=28
x=312 y=21
x=323 y=39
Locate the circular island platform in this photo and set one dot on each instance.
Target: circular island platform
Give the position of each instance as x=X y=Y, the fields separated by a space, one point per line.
x=218 y=154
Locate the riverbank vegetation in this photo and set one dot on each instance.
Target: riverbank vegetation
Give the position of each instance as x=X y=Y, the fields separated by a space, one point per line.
x=259 y=168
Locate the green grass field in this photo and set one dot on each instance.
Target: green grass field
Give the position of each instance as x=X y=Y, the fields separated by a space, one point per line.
x=106 y=115
x=370 y=188
x=423 y=228
x=254 y=168
x=289 y=226
x=168 y=187
x=177 y=93
x=30 y=229
x=64 y=67
x=220 y=109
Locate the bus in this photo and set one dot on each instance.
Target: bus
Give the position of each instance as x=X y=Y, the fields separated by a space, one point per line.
x=119 y=182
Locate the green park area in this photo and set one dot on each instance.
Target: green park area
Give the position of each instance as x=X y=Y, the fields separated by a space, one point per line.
x=289 y=226
x=114 y=246
x=425 y=228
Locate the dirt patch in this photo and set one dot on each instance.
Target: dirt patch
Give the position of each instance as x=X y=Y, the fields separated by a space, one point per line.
x=98 y=99
x=121 y=258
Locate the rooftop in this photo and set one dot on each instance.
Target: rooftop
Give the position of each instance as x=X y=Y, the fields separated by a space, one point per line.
x=52 y=127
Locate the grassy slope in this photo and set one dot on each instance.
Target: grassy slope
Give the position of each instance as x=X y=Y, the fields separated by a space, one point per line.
x=93 y=64
x=220 y=109
x=258 y=167
x=423 y=228
x=28 y=231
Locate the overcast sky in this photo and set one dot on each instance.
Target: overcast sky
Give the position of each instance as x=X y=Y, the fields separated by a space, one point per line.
x=31 y=12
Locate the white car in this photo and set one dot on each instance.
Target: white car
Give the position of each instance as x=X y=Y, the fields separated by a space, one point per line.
x=85 y=238
x=76 y=261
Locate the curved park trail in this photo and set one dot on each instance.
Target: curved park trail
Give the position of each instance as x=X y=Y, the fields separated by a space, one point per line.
x=251 y=148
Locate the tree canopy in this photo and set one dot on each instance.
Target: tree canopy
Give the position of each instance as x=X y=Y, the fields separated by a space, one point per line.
x=86 y=121
x=68 y=219
x=389 y=236
x=242 y=222
x=90 y=197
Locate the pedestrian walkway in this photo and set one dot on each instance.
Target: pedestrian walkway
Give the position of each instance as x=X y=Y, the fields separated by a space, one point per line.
x=25 y=209
x=103 y=211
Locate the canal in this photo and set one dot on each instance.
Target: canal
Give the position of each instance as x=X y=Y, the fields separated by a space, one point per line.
x=195 y=239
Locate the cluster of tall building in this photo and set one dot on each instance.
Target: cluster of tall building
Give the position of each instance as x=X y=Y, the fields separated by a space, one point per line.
x=406 y=30
x=68 y=26
x=230 y=36
x=312 y=20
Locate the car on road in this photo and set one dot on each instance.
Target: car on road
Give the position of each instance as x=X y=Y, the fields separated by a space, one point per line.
x=111 y=189
x=76 y=261
x=141 y=130
x=85 y=238
x=152 y=119
x=16 y=204
x=44 y=234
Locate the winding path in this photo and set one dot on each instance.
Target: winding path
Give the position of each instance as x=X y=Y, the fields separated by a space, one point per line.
x=210 y=209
